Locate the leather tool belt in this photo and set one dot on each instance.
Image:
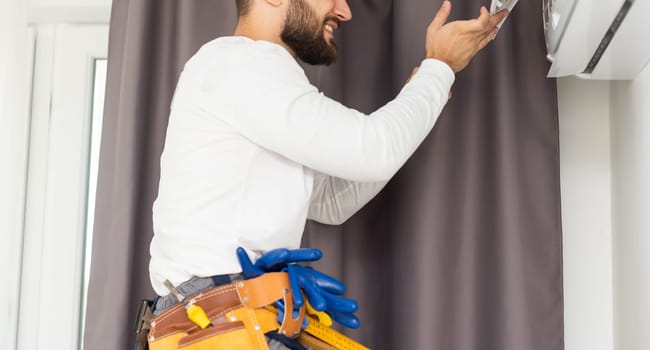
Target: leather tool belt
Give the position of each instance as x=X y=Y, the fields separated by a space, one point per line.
x=241 y=313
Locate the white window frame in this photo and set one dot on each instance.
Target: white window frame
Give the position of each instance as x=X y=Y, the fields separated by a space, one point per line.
x=16 y=42
x=49 y=315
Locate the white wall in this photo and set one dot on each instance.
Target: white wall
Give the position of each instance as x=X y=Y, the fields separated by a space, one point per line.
x=586 y=219
x=69 y=11
x=605 y=180
x=630 y=139
x=69 y=3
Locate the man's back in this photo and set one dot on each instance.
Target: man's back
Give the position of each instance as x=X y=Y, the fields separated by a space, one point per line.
x=218 y=190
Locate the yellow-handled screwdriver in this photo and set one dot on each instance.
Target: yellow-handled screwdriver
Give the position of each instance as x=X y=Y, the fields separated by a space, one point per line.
x=194 y=312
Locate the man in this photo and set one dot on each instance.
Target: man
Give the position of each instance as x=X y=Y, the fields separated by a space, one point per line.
x=253 y=149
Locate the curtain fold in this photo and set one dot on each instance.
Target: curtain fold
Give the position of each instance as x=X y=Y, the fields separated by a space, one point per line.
x=462 y=250
x=149 y=43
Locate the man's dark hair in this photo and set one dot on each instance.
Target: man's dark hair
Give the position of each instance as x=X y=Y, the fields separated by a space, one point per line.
x=243 y=6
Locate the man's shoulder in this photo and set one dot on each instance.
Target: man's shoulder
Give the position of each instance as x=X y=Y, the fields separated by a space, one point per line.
x=244 y=48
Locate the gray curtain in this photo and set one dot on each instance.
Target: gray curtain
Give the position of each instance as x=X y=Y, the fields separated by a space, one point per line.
x=462 y=249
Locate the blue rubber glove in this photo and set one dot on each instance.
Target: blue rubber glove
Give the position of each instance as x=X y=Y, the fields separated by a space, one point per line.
x=322 y=291
x=275 y=260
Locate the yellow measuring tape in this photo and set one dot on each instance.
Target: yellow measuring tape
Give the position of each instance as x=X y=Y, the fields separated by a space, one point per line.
x=319 y=324
x=331 y=336
x=324 y=332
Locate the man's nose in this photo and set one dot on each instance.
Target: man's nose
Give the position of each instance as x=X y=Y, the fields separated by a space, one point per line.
x=342 y=10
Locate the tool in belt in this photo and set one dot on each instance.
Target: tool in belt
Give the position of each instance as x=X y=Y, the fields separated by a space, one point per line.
x=239 y=315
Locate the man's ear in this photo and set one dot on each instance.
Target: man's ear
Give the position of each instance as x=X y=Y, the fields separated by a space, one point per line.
x=274 y=2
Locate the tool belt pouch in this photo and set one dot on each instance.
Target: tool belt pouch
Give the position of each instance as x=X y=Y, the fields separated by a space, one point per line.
x=238 y=313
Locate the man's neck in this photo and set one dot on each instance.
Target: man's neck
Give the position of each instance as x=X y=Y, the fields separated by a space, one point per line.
x=257 y=29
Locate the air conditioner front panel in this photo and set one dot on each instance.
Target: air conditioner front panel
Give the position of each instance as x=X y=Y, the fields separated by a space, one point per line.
x=629 y=51
x=585 y=26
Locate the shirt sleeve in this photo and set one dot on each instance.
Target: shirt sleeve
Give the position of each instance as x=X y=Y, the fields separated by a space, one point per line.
x=335 y=200
x=273 y=105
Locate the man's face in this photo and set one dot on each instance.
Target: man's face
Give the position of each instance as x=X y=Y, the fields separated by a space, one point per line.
x=310 y=35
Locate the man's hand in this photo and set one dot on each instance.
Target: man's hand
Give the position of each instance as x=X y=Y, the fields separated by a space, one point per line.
x=456 y=43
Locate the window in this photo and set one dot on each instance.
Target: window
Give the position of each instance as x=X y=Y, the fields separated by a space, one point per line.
x=66 y=118
x=99 y=85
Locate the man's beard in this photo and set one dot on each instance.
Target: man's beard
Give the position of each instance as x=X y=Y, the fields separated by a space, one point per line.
x=303 y=33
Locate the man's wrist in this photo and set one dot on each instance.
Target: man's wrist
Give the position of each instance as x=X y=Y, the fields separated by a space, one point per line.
x=430 y=61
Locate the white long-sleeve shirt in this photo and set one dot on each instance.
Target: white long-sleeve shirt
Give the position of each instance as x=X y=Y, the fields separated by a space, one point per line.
x=253 y=150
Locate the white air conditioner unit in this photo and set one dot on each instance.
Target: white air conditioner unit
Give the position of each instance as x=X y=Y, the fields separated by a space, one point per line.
x=597 y=39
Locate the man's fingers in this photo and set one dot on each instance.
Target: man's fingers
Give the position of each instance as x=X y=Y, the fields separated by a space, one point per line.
x=488 y=38
x=484 y=17
x=441 y=16
x=492 y=27
x=497 y=17
x=483 y=23
x=486 y=22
